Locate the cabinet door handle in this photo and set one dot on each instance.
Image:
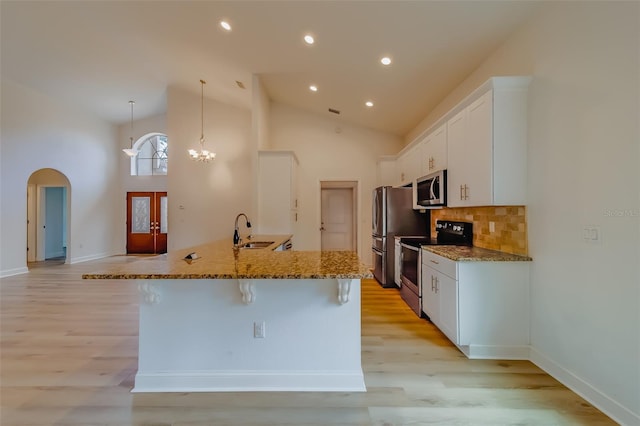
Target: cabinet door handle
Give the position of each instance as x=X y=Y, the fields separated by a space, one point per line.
x=432 y=283
x=466 y=190
x=461 y=196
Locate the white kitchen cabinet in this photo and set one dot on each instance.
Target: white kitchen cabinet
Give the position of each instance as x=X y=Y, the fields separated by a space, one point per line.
x=386 y=171
x=439 y=294
x=434 y=151
x=482 y=307
x=408 y=166
x=430 y=294
x=487 y=145
x=287 y=245
x=396 y=258
x=277 y=192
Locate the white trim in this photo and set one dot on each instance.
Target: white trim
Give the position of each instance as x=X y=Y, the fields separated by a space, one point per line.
x=40 y=216
x=599 y=399
x=496 y=352
x=90 y=257
x=348 y=183
x=32 y=221
x=249 y=381
x=14 y=271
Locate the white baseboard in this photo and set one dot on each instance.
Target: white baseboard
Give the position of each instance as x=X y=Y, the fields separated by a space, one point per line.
x=89 y=258
x=602 y=402
x=249 y=381
x=496 y=352
x=14 y=271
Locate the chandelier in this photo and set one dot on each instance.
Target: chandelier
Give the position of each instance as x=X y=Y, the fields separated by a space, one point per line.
x=202 y=155
x=130 y=151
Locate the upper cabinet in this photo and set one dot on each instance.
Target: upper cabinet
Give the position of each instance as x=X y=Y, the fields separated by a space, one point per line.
x=487 y=146
x=408 y=166
x=481 y=142
x=386 y=171
x=434 y=151
x=277 y=192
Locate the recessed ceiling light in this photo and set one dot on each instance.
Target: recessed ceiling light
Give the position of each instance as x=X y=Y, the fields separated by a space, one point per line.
x=369 y=104
x=313 y=88
x=225 y=25
x=309 y=39
x=386 y=60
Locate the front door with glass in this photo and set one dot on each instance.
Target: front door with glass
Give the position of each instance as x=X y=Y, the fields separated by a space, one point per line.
x=146 y=222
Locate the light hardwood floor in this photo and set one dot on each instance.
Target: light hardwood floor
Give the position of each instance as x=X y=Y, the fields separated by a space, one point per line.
x=69 y=352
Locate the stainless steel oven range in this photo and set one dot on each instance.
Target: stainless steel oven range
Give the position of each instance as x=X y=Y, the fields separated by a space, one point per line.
x=448 y=232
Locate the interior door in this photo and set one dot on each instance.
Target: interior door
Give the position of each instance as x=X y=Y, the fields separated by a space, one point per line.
x=146 y=222
x=337 y=219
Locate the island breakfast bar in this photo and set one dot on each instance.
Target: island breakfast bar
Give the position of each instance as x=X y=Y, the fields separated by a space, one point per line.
x=247 y=319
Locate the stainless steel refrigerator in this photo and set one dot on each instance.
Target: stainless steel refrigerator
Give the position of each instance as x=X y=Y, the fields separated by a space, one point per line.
x=393 y=215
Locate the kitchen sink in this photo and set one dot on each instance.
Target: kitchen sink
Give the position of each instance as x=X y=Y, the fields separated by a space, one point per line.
x=256 y=244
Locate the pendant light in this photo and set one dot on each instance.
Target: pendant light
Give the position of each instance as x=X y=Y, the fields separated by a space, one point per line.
x=130 y=151
x=202 y=155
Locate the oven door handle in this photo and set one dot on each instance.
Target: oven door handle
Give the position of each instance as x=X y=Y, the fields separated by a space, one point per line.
x=416 y=249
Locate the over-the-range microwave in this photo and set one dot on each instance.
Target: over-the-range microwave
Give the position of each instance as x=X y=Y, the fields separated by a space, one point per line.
x=431 y=190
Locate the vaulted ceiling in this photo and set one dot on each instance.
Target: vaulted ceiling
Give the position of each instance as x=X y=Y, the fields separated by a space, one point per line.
x=98 y=55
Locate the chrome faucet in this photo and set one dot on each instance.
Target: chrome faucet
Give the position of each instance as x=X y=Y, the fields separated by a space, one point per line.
x=236 y=235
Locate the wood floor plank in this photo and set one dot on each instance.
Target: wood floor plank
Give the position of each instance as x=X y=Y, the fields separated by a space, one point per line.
x=69 y=356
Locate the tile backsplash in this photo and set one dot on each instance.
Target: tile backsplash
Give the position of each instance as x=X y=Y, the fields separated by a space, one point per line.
x=510 y=235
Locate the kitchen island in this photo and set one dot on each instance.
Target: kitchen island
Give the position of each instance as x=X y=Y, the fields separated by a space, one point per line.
x=226 y=319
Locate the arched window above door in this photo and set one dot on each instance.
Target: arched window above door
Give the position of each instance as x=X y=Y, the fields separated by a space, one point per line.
x=152 y=155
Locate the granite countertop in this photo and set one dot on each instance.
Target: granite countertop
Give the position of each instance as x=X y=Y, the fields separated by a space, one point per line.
x=219 y=260
x=474 y=254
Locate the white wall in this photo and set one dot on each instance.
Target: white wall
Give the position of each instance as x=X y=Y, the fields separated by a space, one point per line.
x=206 y=197
x=326 y=154
x=583 y=170
x=141 y=127
x=40 y=132
x=260 y=115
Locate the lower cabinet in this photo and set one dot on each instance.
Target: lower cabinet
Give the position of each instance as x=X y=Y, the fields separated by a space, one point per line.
x=439 y=297
x=396 y=259
x=482 y=307
x=287 y=245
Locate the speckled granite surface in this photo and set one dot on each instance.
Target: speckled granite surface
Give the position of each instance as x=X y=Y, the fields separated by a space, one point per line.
x=474 y=254
x=218 y=260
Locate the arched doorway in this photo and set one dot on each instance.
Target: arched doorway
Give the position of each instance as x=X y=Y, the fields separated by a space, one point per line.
x=48 y=221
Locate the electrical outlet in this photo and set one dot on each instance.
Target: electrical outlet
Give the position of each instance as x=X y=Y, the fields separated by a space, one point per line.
x=492 y=227
x=592 y=235
x=259 y=329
